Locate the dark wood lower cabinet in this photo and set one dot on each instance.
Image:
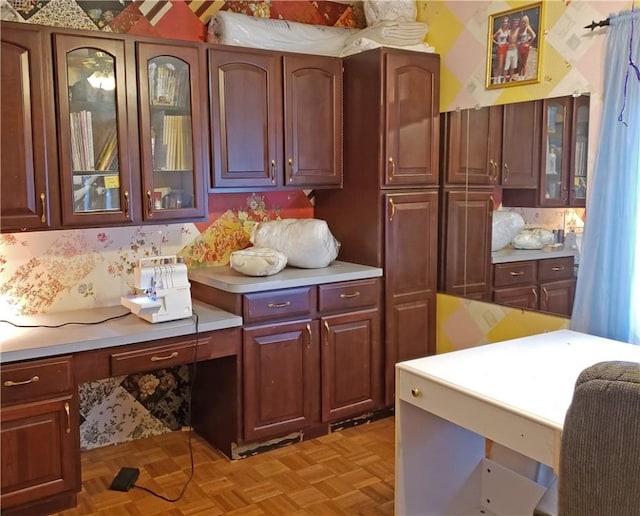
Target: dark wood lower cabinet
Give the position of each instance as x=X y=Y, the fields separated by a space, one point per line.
x=280 y=380
x=351 y=363
x=40 y=456
x=546 y=285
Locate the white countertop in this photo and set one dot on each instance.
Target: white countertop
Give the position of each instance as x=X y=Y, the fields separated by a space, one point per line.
x=509 y=254
x=532 y=376
x=229 y=280
x=26 y=343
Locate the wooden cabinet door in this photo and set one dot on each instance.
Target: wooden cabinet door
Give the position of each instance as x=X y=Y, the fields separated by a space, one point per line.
x=281 y=378
x=351 y=364
x=312 y=120
x=28 y=198
x=555 y=151
x=411 y=103
x=579 y=152
x=521 y=297
x=246 y=117
x=466 y=263
x=473 y=146
x=521 y=137
x=94 y=140
x=557 y=297
x=40 y=450
x=411 y=250
x=172 y=131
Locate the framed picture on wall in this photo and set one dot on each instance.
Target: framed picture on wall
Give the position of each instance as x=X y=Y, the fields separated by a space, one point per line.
x=514 y=47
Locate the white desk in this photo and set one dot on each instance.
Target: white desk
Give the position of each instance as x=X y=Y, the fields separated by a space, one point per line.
x=515 y=393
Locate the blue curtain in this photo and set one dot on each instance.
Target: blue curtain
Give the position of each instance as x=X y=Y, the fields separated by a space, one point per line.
x=607 y=300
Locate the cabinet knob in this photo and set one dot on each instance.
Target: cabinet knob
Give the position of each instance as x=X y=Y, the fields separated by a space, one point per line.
x=416 y=393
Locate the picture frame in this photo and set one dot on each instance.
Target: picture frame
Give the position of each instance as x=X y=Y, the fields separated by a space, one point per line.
x=514 y=48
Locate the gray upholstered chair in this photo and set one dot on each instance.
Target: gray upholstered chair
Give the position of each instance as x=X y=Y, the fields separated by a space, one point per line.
x=600 y=450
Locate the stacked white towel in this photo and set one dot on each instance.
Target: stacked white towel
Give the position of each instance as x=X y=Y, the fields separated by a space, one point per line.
x=394 y=33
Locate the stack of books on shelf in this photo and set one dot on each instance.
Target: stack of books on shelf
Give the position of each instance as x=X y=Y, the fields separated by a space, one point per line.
x=169 y=87
x=82 y=157
x=108 y=155
x=177 y=139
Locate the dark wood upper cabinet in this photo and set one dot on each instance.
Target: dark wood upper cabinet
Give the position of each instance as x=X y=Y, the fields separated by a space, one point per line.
x=313 y=121
x=29 y=197
x=521 y=141
x=276 y=119
x=411 y=95
x=97 y=187
x=565 y=126
x=472 y=146
x=173 y=135
x=246 y=107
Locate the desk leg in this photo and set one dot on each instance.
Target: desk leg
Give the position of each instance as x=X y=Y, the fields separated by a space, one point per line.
x=435 y=464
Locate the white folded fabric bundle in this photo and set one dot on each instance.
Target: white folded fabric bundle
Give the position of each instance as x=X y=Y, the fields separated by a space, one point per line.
x=362 y=44
x=388 y=10
x=393 y=33
x=248 y=31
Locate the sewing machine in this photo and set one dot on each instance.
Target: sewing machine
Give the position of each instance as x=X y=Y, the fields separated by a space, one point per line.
x=165 y=291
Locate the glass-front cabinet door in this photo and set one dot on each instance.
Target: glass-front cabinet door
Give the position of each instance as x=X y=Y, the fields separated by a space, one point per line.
x=93 y=138
x=171 y=132
x=578 y=179
x=556 y=124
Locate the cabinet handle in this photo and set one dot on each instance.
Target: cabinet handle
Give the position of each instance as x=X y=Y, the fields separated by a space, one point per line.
x=557 y=269
x=310 y=336
x=348 y=296
x=43 y=200
x=514 y=273
x=493 y=205
x=565 y=193
x=126 y=203
x=506 y=176
x=546 y=294
x=535 y=294
x=393 y=167
x=10 y=383
x=326 y=325
x=416 y=393
x=291 y=170
x=393 y=210
x=149 y=204
x=278 y=305
x=273 y=170
x=168 y=357
x=68 y=411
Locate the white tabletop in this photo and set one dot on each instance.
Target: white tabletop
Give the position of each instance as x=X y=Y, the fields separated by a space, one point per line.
x=533 y=376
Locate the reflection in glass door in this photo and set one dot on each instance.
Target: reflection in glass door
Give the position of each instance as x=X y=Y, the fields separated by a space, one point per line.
x=93 y=130
x=171 y=134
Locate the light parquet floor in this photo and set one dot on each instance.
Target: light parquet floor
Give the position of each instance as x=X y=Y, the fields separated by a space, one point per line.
x=350 y=472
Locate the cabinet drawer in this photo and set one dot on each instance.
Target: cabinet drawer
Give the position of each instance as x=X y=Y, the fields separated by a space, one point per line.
x=514 y=273
x=552 y=269
x=27 y=380
x=152 y=358
x=292 y=302
x=348 y=295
